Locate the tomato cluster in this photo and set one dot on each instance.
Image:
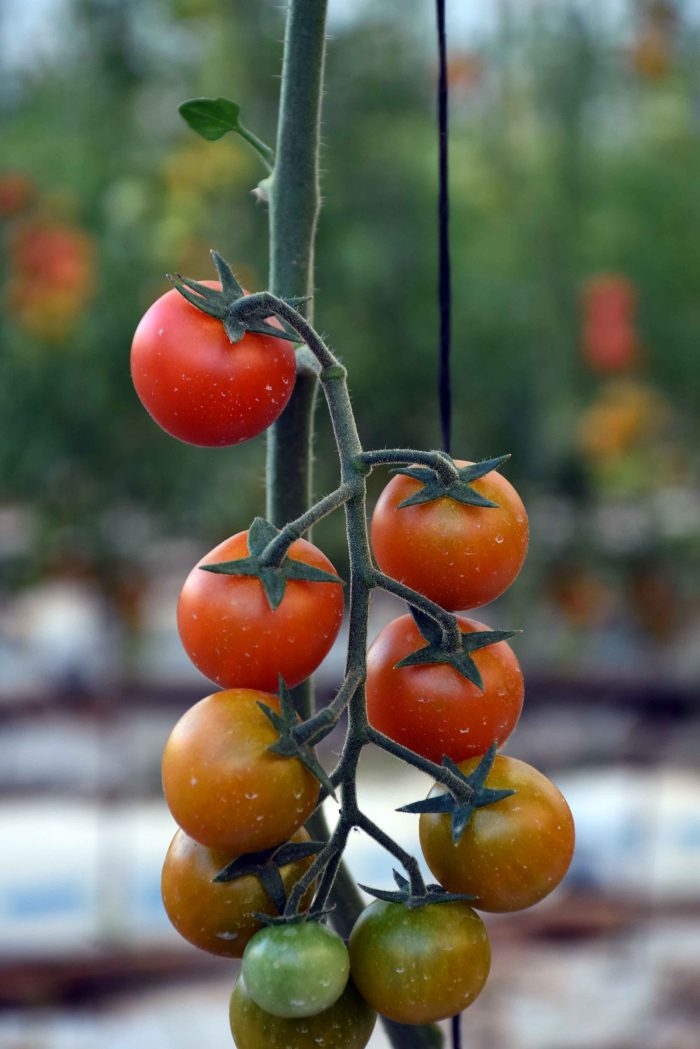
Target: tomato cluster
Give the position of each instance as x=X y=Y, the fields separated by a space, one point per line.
x=263 y=608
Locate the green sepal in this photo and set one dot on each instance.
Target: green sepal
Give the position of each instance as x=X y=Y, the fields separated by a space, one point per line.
x=208 y=300
x=433 y=894
x=224 y=304
x=229 y=284
x=289 y=745
x=474 y=795
x=273 y=577
x=261 y=328
x=266 y=864
x=461 y=659
x=279 y=855
x=460 y=490
x=299 y=918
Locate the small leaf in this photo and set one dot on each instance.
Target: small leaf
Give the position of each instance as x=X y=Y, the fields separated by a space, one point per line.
x=211 y=117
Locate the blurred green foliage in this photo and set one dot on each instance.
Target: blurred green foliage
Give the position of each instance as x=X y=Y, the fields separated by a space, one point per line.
x=566 y=161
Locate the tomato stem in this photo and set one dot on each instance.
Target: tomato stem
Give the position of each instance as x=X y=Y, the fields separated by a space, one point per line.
x=447 y=621
x=276 y=550
x=438 y=461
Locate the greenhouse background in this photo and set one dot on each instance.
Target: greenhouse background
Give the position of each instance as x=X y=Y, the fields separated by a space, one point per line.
x=575 y=165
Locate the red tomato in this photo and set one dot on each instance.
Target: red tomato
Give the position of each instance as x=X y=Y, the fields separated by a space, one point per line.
x=200 y=387
x=512 y=853
x=222 y=784
x=432 y=709
x=233 y=636
x=218 y=917
x=457 y=555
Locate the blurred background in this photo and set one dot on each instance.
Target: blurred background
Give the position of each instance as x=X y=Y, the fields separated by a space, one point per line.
x=575 y=165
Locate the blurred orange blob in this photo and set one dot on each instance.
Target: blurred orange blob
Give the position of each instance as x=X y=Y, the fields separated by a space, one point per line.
x=51 y=277
x=16 y=192
x=625 y=414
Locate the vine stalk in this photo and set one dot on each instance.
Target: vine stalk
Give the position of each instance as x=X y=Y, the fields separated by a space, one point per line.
x=294 y=197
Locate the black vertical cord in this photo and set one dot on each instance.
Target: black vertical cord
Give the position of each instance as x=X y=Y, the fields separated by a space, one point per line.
x=444 y=285
x=444 y=273
x=456 y=1032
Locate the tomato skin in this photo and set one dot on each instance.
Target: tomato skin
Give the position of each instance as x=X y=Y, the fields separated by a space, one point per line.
x=233 y=636
x=419 y=965
x=432 y=709
x=223 y=786
x=459 y=556
x=295 y=970
x=200 y=387
x=218 y=917
x=514 y=852
x=347 y=1024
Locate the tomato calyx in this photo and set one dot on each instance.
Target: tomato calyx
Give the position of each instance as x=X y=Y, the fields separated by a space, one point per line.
x=273 y=577
x=265 y=866
x=229 y=304
x=464 y=795
x=289 y=744
x=402 y=894
x=313 y=917
x=437 y=487
x=436 y=651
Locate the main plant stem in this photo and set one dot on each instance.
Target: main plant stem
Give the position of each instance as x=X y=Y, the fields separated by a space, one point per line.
x=295 y=202
x=294 y=207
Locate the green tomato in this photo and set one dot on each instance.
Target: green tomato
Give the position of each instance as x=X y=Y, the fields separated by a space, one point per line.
x=295 y=970
x=347 y=1024
x=417 y=965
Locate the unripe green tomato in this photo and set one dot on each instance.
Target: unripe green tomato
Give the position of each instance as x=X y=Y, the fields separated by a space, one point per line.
x=418 y=965
x=347 y=1024
x=295 y=970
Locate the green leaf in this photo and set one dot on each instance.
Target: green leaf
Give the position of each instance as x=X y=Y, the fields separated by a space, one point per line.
x=211 y=117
